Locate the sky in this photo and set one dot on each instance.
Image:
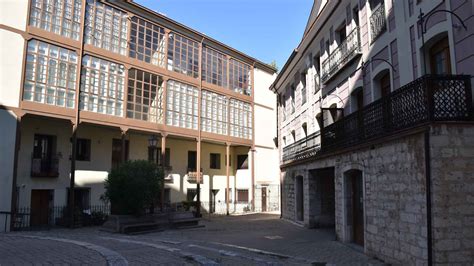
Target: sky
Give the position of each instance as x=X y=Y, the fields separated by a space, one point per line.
x=265 y=29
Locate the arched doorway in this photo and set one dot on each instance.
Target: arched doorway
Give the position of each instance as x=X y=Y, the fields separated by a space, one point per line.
x=354 y=207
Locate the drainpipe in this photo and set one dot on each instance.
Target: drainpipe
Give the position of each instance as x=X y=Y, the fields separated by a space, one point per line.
x=429 y=235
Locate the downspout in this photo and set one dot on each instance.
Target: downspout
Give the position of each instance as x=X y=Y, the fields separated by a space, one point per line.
x=429 y=235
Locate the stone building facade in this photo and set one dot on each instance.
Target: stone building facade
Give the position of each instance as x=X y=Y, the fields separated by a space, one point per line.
x=376 y=128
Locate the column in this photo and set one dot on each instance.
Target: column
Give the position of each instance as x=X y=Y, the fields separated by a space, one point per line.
x=227 y=171
x=72 y=174
x=123 y=155
x=198 y=177
x=163 y=164
x=252 y=173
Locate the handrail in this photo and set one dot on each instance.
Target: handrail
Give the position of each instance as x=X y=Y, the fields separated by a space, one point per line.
x=339 y=58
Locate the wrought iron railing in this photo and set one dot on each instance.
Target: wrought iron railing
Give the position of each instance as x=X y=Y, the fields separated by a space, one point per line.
x=343 y=54
x=378 y=22
x=427 y=99
x=45 y=167
x=302 y=149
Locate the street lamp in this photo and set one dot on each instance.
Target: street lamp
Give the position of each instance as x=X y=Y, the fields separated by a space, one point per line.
x=153 y=141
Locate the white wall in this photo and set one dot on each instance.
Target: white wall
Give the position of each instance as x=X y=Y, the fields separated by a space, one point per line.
x=7 y=150
x=14 y=13
x=11 y=54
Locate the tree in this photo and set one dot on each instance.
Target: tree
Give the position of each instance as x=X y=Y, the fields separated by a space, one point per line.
x=274 y=65
x=132 y=187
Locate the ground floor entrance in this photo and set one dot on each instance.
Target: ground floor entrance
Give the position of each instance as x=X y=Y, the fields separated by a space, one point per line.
x=41 y=203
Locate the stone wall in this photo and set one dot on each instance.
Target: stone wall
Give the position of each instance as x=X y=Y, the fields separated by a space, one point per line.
x=452 y=168
x=395 y=196
x=395 y=215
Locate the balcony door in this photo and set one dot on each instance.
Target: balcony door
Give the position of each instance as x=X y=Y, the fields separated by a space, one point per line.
x=44 y=147
x=117 y=152
x=440 y=58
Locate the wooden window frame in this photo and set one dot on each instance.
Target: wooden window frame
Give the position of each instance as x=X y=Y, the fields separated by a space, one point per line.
x=153 y=36
x=215 y=161
x=188 y=63
x=214 y=109
x=63 y=19
x=145 y=96
x=56 y=87
x=101 y=88
x=240 y=119
x=181 y=96
x=83 y=150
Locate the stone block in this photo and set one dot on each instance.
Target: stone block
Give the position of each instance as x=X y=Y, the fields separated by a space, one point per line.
x=447 y=244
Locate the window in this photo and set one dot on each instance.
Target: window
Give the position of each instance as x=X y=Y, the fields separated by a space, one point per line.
x=213 y=112
x=357 y=99
x=341 y=33
x=147 y=42
x=242 y=161
x=283 y=106
x=183 y=55
x=242 y=195
x=50 y=75
x=102 y=88
x=239 y=77
x=215 y=159
x=192 y=161
x=240 y=119
x=385 y=85
x=182 y=103
x=317 y=77
x=106 y=27
x=293 y=98
x=191 y=194
x=355 y=15
x=83 y=150
x=145 y=96
x=117 y=152
x=60 y=17
x=154 y=155
x=440 y=58
x=45 y=162
x=303 y=88
x=305 y=130
x=214 y=67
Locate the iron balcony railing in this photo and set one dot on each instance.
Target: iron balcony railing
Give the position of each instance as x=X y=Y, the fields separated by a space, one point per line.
x=378 y=22
x=343 y=54
x=427 y=99
x=45 y=167
x=302 y=149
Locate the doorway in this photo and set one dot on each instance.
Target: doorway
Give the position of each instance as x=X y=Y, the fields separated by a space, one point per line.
x=299 y=199
x=322 y=206
x=41 y=201
x=117 y=152
x=264 y=199
x=354 y=207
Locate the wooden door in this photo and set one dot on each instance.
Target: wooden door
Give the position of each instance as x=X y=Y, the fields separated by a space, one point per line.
x=117 y=152
x=40 y=199
x=440 y=58
x=264 y=199
x=358 y=209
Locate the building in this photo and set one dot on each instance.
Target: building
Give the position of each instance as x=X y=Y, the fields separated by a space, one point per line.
x=376 y=131
x=115 y=76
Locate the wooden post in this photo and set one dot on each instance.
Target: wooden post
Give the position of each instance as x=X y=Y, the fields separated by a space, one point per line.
x=198 y=177
x=227 y=171
x=73 y=175
x=123 y=155
x=163 y=164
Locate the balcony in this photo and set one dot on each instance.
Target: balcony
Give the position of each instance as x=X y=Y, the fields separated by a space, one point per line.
x=340 y=57
x=427 y=99
x=302 y=149
x=45 y=167
x=378 y=22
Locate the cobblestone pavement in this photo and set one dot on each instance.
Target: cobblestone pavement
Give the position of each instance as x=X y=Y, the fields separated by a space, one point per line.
x=255 y=239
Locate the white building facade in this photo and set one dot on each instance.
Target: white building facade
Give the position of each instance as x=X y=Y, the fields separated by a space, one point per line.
x=114 y=75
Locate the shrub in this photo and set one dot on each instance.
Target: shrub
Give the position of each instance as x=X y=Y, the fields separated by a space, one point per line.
x=133 y=186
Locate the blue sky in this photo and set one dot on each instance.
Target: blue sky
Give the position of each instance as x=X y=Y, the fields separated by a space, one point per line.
x=265 y=29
